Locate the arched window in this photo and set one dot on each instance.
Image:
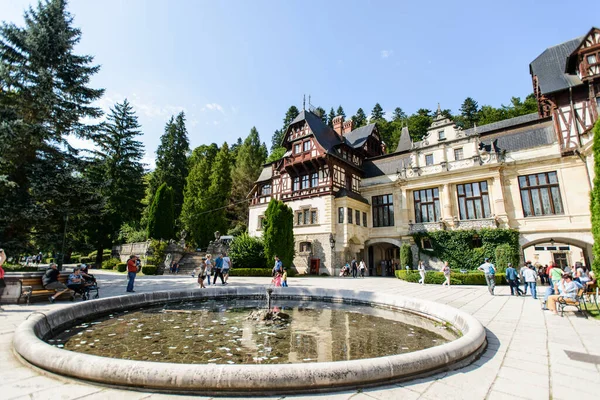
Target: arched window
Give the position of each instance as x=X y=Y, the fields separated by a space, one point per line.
x=305 y=247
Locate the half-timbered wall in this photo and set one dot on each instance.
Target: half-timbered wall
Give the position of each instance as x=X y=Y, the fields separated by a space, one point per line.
x=573 y=115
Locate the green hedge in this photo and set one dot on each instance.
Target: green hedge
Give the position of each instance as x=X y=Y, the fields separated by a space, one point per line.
x=111 y=263
x=251 y=272
x=435 y=277
x=85 y=260
x=121 y=267
x=48 y=260
x=149 y=270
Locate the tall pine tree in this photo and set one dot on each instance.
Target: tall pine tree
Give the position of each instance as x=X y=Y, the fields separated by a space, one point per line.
x=322 y=114
x=171 y=160
x=377 y=113
x=469 y=113
x=360 y=119
x=252 y=155
x=340 y=111
x=44 y=97
x=161 y=217
x=330 y=118
x=219 y=190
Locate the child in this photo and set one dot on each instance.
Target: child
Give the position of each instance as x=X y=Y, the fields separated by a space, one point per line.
x=284 y=278
x=201 y=273
x=277 y=279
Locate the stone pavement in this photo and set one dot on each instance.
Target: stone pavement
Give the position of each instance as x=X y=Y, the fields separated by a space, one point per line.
x=531 y=354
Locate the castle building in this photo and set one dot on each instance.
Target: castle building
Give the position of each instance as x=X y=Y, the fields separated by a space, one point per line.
x=532 y=173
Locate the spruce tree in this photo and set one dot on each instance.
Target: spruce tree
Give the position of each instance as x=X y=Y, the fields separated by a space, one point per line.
x=219 y=190
x=340 y=111
x=360 y=119
x=469 y=113
x=278 y=234
x=44 y=96
x=251 y=156
x=377 y=113
x=276 y=139
x=398 y=115
x=322 y=114
x=330 y=118
x=595 y=201
x=290 y=115
x=171 y=160
x=161 y=217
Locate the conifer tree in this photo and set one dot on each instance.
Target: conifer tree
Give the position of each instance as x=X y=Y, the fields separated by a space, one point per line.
x=322 y=114
x=219 y=190
x=399 y=115
x=278 y=234
x=340 y=111
x=377 y=113
x=161 y=217
x=595 y=201
x=360 y=119
x=44 y=96
x=171 y=160
x=330 y=118
x=251 y=156
x=469 y=113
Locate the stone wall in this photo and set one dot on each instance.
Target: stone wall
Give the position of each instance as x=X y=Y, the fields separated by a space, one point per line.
x=320 y=248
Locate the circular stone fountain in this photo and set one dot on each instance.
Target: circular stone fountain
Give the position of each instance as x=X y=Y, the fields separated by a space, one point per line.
x=248 y=379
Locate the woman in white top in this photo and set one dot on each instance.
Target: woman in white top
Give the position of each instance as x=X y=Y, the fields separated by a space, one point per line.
x=421 y=269
x=582 y=275
x=446 y=271
x=209 y=266
x=362 y=268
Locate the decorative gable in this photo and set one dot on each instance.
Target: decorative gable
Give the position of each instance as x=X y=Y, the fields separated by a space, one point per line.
x=587 y=55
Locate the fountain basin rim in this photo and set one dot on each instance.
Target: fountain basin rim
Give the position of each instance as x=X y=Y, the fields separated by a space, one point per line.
x=239 y=378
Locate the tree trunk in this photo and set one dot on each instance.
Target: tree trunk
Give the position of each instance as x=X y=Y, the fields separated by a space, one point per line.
x=100 y=251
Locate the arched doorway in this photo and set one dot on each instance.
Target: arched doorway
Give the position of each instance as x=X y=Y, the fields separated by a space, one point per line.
x=383 y=256
x=558 y=249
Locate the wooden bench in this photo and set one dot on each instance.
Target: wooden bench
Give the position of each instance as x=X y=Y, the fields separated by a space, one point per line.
x=32 y=287
x=592 y=295
x=576 y=302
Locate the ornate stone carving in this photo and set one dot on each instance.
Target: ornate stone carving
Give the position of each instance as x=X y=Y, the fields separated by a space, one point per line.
x=426 y=227
x=476 y=223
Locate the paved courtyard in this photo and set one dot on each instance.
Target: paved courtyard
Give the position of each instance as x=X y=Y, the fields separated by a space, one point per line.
x=531 y=354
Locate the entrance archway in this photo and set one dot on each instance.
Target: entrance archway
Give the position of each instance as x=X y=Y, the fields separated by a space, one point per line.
x=383 y=257
x=543 y=248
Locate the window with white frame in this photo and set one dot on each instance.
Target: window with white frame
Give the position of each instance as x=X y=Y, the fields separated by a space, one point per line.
x=441 y=135
x=429 y=159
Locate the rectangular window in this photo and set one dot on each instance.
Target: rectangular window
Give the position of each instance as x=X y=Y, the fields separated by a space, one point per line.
x=591 y=59
x=306 y=217
x=458 y=154
x=349 y=215
x=340 y=215
x=299 y=218
x=266 y=190
x=296 y=184
x=297 y=148
x=314 y=180
x=357 y=217
x=429 y=159
x=383 y=210
x=473 y=200
x=305 y=182
x=427 y=205
x=306 y=145
x=313 y=216
x=441 y=135
x=261 y=222
x=365 y=219
x=540 y=194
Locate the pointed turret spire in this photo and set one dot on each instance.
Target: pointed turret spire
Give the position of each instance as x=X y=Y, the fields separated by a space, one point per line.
x=303 y=102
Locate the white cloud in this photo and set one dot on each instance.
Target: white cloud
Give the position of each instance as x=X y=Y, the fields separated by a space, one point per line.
x=141 y=106
x=213 y=107
x=215 y=122
x=81 y=144
x=150 y=163
x=386 y=53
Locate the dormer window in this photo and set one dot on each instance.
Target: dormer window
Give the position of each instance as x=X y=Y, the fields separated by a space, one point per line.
x=297 y=148
x=593 y=64
x=266 y=190
x=306 y=145
x=441 y=135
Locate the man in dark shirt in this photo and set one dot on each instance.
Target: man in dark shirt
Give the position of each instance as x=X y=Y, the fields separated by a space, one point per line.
x=217 y=270
x=50 y=282
x=354 y=267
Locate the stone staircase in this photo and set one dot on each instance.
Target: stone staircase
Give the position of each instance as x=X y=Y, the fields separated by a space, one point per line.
x=189 y=262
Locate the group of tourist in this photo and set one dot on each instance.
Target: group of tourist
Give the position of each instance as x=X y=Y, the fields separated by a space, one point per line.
x=279 y=273
x=353 y=268
x=566 y=283
x=78 y=282
x=218 y=268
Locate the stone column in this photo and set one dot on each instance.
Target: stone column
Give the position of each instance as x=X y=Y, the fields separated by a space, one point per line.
x=447 y=215
x=498 y=198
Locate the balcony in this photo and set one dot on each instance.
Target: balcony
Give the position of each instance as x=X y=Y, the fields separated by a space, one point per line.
x=476 y=223
x=420 y=227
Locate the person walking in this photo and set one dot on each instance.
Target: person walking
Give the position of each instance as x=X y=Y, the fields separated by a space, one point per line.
x=209 y=267
x=513 y=280
x=132 y=271
x=2 y=283
x=354 y=267
x=362 y=268
x=490 y=274
x=202 y=273
x=217 y=270
x=522 y=278
x=278 y=267
x=284 y=278
x=446 y=271
x=421 y=269
x=227 y=264
x=530 y=276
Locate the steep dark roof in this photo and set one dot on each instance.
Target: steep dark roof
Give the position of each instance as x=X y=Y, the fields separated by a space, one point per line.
x=351 y=194
x=405 y=142
x=323 y=133
x=539 y=135
x=266 y=173
x=359 y=136
x=550 y=67
x=385 y=166
x=504 y=124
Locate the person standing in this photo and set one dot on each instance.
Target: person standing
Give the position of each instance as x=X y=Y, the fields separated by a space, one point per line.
x=490 y=274
x=354 y=267
x=132 y=271
x=531 y=280
x=2 y=283
x=217 y=270
x=209 y=267
x=227 y=264
x=513 y=280
x=284 y=278
x=522 y=278
x=362 y=267
x=446 y=271
x=277 y=268
x=421 y=269
x=202 y=273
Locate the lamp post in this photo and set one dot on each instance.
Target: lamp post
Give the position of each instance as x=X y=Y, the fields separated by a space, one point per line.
x=62 y=252
x=332 y=244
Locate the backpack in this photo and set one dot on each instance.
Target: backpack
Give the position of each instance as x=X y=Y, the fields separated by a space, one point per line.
x=492 y=269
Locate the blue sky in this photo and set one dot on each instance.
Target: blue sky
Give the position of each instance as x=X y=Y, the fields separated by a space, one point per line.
x=231 y=65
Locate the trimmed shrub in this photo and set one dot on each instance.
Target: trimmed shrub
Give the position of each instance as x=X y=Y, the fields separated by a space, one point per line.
x=149 y=270
x=48 y=260
x=278 y=235
x=251 y=272
x=111 y=263
x=436 y=277
x=505 y=254
x=86 y=260
x=247 y=252
x=121 y=267
x=406 y=257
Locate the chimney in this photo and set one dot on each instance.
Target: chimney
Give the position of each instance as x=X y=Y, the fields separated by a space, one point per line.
x=348 y=126
x=337 y=124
